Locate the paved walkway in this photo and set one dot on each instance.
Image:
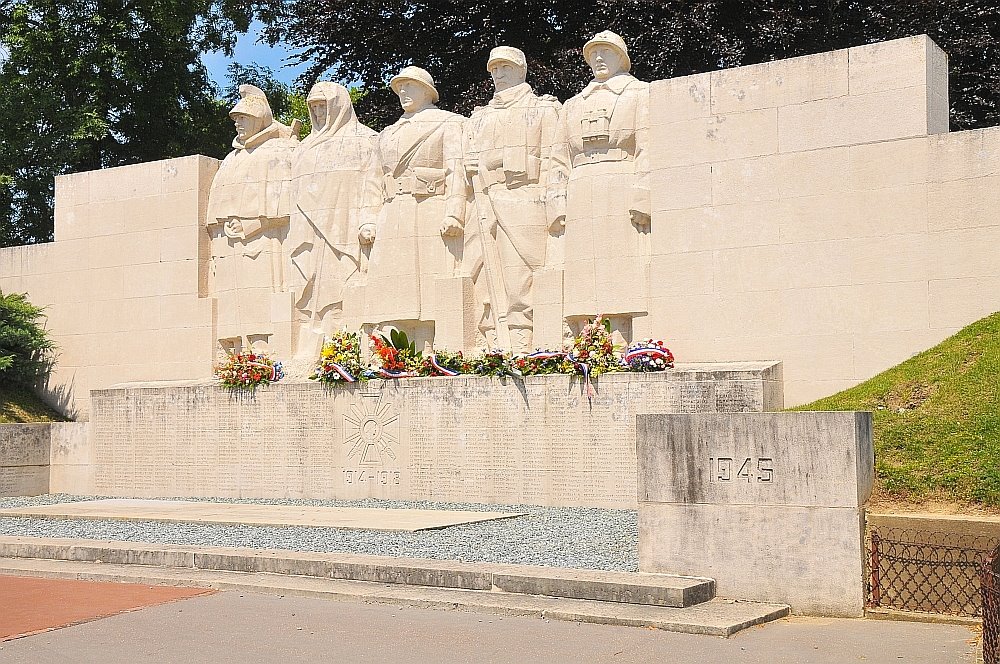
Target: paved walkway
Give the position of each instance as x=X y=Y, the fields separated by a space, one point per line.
x=184 y=511
x=29 y=605
x=243 y=627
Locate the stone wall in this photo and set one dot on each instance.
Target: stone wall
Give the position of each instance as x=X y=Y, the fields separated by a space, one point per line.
x=770 y=505
x=124 y=281
x=812 y=210
x=816 y=211
x=24 y=459
x=539 y=440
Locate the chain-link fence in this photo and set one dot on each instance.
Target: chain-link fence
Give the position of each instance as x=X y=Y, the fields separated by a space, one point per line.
x=930 y=572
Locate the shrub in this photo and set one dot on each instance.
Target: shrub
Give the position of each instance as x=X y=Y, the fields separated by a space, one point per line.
x=26 y=351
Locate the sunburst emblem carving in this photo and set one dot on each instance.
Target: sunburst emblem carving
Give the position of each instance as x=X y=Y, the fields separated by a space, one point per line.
x=371 y=430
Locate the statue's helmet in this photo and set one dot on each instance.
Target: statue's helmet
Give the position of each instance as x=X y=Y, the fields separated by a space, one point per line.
x=253 y=102
x=514 y=56
x=417 y=74
x=608 y=38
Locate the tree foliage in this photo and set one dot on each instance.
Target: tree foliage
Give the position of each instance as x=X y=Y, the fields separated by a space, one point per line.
x=26 y=352
x=87 y=84
x=369 y=40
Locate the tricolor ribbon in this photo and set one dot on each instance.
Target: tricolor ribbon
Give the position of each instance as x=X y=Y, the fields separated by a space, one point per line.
x=385 y=373
x=275 y=369
x=583 y=367
x=344 y=373
x=443 y=370
x=650 y=352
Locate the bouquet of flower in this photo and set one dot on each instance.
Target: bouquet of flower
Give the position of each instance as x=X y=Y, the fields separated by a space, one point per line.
x=445 y=363
x=397 y=356
x=595 y=348
x=493 y=363
x=340 y=359
x=648 y=355
x=245 y=371
x=544 y=362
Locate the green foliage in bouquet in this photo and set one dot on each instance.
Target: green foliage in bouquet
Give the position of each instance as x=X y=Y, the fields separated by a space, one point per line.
x=595 y=348
x=340 y=359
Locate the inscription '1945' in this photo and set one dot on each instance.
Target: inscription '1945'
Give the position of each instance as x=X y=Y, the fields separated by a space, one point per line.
x=734 y=469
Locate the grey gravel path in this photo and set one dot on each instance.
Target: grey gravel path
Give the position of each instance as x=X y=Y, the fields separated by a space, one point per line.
x=576 y=537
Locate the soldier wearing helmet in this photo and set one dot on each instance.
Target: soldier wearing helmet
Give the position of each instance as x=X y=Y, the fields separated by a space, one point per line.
x=414 y=215
x=247 y=217
x=518 y=168
x=608 y=206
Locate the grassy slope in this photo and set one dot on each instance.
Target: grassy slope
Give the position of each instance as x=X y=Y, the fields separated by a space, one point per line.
x=937 y=420
x=18 y=404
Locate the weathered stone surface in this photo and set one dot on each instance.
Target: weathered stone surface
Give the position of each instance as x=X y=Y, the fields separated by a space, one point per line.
x=24 y=459
x=770 y=505
x=535 y=441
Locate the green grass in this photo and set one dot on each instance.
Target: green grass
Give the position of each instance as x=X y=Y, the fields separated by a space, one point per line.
x=937 y=420
x=20 y=404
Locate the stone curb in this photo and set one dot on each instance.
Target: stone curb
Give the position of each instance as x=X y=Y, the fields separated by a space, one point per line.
x=717 y=617
x=621 y=587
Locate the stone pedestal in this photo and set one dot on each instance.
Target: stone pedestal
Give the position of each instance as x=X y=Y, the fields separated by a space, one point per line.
x=770 y=505
x=24 y=459
x=539 y=440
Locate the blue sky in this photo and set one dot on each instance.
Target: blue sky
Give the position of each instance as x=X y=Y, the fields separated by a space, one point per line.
x=249 y=51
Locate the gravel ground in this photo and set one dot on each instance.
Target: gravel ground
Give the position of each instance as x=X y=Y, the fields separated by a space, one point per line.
x=577 y=537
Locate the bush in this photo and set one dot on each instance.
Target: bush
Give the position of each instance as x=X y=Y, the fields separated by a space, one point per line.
x=26 y=352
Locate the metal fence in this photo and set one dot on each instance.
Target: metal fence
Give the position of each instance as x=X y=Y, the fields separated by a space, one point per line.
x=990 y=588
x=930 y=572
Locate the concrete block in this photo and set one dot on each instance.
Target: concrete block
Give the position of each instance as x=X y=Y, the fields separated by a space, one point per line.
x=965 y=203
x=896 y=64
x=680 y=187
x=681 y=98
x=865 y=118
x=769 y=504
x=717 y=138
x=890 y=164
x=780 y=82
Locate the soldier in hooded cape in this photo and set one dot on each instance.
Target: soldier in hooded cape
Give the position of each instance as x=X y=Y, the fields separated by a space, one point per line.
x=415 y=201
x=608 y=208
x=326 y=184
x=247 y=220
x=517 y=158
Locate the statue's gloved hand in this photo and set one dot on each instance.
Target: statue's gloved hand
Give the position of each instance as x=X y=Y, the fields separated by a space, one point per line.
x=452 y=227
x=367 y=234
x=234 y=228
x=639 y=219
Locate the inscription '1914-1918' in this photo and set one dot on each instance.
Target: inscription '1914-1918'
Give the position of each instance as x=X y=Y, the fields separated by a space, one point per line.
x=367 y=476
x=746 y=469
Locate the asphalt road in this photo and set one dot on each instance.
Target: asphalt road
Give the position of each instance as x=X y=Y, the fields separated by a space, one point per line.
x=245 y=627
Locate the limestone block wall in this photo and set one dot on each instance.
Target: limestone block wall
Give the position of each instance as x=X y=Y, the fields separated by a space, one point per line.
x=538 y=441
x=124 y=281
x=816 y=210
x=24 y=459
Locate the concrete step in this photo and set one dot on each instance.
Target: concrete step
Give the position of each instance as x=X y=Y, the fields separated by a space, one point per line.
x=717 y=617
x=625 y=587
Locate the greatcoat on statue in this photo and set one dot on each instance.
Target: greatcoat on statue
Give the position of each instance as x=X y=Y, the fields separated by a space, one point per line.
x=519 y=169
x=415 y=200
x=608 y=207
x=248 y=219
x=326 y=184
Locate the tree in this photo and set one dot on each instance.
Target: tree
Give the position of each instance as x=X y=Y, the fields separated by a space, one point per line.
x=25 y=347
x=90 y=84
x=369 y=40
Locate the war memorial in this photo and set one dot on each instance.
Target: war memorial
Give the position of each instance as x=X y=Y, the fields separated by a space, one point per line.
x=788 y=229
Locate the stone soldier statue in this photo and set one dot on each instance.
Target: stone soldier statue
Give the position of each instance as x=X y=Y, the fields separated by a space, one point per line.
x=415 y=201
x=608 y=206
x=247 y=221
x=326 y=184
x=519 y=167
